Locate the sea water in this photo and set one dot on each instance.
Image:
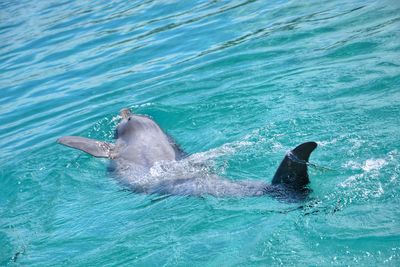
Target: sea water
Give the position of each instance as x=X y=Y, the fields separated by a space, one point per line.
x=237 y=84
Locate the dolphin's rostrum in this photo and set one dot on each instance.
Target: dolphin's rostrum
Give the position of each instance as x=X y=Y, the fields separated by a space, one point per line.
x=141 y=144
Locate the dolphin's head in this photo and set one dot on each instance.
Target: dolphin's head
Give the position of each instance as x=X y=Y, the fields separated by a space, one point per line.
x=132 y=124
x=141 y=141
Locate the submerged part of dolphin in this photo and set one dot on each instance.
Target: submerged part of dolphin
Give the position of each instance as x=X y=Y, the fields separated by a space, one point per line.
x=141 y=145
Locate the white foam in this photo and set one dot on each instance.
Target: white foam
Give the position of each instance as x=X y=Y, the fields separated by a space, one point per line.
x=149 y=104
x=367 y=166
x=373 y=164
x=226 y=149
x=352 y=165
x=325 y=143
x=350 y=181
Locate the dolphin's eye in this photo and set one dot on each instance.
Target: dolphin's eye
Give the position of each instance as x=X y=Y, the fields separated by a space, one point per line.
x=129 y=118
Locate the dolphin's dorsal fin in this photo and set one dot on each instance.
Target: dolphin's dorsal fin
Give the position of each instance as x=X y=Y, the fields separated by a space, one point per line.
x=293 y=169
x=93 y=147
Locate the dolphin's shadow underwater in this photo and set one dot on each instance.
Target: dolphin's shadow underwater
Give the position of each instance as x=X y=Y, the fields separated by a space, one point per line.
x=141 y=144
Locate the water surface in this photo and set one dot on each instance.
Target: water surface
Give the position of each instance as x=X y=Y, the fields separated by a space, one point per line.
x=237 y=84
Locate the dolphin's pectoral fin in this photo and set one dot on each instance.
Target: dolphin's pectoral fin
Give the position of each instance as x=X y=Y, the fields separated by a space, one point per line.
x=93 y=147
x=293 y=169
x=179 y=152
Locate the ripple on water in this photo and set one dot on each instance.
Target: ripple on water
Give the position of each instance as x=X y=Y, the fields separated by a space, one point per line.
x=237 y=84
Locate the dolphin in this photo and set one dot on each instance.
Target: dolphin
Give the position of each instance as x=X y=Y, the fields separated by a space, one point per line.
x=141 y=146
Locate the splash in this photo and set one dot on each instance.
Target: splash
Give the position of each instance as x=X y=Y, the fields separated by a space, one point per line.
x=368 y=165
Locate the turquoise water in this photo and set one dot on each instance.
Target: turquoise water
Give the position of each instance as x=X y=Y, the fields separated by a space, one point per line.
x=237 y=84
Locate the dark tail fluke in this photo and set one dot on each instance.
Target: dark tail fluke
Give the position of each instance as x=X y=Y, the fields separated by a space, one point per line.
x=293 y=169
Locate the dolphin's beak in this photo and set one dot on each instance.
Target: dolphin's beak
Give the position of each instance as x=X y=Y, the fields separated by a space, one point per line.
x=125 y=113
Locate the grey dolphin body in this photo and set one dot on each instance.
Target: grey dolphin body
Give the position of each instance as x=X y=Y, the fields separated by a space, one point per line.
x=141 y=145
